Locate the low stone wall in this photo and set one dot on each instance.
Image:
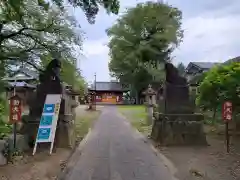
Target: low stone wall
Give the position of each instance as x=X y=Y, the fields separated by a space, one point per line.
x=3 y=158
x=179 y=129
x=7 y=148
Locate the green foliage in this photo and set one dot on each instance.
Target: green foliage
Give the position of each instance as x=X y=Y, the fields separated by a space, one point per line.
x=220 y=84
x=31 y=35
x=32 y=32
x=141 y=40
x=5 y=129
x=90 y=8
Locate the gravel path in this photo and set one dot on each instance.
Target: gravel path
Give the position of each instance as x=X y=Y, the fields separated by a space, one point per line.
x=114 y=151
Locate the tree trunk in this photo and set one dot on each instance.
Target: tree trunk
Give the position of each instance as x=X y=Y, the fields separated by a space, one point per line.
x=214 y=114
x=137 y=98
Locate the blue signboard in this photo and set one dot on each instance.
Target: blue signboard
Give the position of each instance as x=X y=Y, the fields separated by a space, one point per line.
x=48 y=123
x=48 y=108
x=46 y=120
x=44 y=133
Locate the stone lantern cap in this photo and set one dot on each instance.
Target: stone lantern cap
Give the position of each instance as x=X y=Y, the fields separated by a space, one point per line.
x=149 y=91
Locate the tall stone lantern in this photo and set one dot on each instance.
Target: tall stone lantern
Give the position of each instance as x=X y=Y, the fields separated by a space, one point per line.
x=150 y=96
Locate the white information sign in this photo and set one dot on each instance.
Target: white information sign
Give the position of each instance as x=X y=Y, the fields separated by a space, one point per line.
x=48 y=122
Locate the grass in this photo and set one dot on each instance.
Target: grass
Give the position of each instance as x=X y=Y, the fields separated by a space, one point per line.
x=84 y=121
x=137 y=116
x=208 y=118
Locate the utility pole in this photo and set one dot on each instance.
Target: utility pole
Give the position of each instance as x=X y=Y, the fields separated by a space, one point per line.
x=95 y=86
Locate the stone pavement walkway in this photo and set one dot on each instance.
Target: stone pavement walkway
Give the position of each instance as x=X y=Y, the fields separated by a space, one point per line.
x=114 y=151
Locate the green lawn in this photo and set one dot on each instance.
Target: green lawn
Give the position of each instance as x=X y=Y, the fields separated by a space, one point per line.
x=84 y=121
x=137 y=116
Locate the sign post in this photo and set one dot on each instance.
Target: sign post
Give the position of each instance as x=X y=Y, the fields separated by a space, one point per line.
x=227 y=117
x=15 y=115
x=48 y=122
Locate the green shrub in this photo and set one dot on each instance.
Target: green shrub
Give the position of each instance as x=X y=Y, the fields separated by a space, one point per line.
x=5 y=128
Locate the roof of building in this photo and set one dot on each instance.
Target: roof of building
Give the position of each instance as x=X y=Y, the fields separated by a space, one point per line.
x=20 y=84
x=204 y=65
x=236 y=59
x=107 y=86
x=209 y=65
x=23 y=74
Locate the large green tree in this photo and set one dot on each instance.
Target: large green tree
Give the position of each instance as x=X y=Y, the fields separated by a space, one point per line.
x=34 y=32
x=29 y=28
x=141 y=40
x=220 y=84
x=29 y=32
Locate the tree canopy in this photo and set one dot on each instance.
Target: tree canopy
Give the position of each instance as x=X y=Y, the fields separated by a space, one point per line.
x=25 y=37
x=31 y=28
x=31 y=31
x=141 y=40
x=220 y=84
x=90 y=8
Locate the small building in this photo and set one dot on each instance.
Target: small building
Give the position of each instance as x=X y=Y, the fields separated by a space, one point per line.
x=23 y=74
x=108 y=92
x=194 y=71
x=24 y=82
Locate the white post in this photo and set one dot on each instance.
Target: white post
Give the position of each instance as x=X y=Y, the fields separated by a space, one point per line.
x=34 y=149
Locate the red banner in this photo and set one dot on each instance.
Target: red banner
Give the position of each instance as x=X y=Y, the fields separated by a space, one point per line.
x=227 y=111
x=15 y=109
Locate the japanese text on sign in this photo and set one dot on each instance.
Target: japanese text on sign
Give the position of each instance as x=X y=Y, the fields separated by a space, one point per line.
x=15 y=109
x=227 y=111
x=57 y=108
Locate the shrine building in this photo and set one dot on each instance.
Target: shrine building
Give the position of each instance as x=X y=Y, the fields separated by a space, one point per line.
x=108 y=92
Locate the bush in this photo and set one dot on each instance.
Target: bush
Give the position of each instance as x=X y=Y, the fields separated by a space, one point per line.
x=5 y=128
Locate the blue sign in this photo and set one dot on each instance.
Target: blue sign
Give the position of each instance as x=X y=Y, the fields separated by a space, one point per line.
x=43 y=133
x=48 y=108
x=46 y=120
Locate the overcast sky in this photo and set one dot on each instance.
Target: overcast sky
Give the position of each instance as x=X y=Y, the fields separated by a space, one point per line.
x=211 y=33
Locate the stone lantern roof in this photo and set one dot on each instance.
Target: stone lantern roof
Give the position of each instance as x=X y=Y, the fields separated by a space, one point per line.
x=149 y=91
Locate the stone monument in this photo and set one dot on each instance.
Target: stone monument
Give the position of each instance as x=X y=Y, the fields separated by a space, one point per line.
x=176 y=123
x=50 y=83
x=150 y=96
x=91 y=101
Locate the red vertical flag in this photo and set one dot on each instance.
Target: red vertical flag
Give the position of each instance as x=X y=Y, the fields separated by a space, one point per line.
x=227 y=111
x=15 y=109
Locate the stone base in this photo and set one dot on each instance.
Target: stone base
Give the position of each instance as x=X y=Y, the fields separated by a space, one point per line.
x=29 y=129
x=21 y=144
x=3 y=159
x=65 y=134
x=179 y=129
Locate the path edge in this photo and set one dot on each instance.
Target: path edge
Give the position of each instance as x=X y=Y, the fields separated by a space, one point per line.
x=73 y=157
x=167 y=162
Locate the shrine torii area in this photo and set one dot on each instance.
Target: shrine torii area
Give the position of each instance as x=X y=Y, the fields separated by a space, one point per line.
x=104 y=93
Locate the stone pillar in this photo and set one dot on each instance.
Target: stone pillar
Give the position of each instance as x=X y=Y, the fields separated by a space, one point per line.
x=150 y=96
x=66 y=125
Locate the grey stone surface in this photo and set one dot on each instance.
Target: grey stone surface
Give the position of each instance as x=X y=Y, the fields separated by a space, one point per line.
x=3 y=160
x=2 y=143
x=21 y=143
x=114 y=151
x=179 y=129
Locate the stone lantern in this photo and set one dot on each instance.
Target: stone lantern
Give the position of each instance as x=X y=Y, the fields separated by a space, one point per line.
x=150 y=96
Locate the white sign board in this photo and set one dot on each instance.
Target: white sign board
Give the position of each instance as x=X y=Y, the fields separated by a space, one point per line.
x=48 y=122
